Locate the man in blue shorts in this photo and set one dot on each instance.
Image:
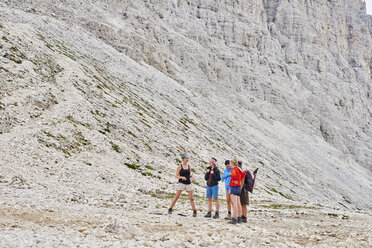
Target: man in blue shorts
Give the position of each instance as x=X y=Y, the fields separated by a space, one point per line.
x=212 y=176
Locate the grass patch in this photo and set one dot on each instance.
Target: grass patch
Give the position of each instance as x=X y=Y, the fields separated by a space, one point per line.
x=332 y=215
x=149 y=167
x=346 y=200
x=280 y=193
x=196 y=183
x=132 y=166
x=148 y=146
x=283 y=206
x=116 y=147
x=132 y=134
x=146 y=174
x=164 y=196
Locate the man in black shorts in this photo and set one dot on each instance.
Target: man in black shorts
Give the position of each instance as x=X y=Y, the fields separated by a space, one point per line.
x=244 y=199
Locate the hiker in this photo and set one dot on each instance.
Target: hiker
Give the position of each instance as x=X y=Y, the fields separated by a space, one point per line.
x=247 y=186
x=235 y=184
x=212 y=176
x=244 y=197
x=184 y=176
x=227 y=176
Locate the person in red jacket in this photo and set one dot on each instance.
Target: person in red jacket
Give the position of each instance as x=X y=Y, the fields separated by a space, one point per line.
x=237 y=176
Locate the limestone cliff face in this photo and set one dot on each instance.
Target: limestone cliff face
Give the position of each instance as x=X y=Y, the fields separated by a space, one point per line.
x=284 y=82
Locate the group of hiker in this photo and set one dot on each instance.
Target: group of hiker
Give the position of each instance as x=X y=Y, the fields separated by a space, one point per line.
x=237 y=184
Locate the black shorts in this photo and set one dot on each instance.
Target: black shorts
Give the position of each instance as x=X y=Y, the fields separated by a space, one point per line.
x=244 y=197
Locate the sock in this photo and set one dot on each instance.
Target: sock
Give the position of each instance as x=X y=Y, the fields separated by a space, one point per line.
x=229 y=212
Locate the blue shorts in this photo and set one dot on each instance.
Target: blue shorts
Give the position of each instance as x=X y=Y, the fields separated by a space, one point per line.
x=212 y=192
x=228 y=190
x=235 y=190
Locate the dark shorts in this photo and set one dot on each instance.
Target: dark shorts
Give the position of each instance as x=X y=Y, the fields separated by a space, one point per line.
x=244 y=197
x=235 y=190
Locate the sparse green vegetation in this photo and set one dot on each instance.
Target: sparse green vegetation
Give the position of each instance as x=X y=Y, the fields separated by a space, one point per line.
x=283 y=206
x=280 y=193
x=116 y=147
x=149 y=167
x=132 y=166
x=68 y=146
x=343 y=205
x=178 y=161
x=332 y=215
x=13 y=58
x=346 y=200
x=132 y=134
x=146 y=174
x=14 y=49
x=107 y=129
x=148 y=146
x=166 y=196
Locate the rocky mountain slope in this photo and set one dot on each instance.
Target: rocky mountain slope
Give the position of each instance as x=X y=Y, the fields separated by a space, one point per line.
x=98 y=99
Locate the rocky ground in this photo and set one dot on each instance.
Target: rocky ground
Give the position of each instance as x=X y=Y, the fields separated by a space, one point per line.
x=98 y=100
x=143 y=222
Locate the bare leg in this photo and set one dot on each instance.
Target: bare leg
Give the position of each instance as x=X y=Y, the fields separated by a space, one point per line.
x=191 y=198
x=217 y=204
x=210 y=204
x=228 y=200
x=239 y=207
x=178 y=193
x=234 y=200
x=244 y=210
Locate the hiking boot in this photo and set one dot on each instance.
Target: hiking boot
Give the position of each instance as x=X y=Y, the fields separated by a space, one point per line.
x=244 y=219
x=194 y=213
x=216 y=215
x=239 y=220
x=228 y=217
x=233 y=221
x=208 y=215
x=170 y=210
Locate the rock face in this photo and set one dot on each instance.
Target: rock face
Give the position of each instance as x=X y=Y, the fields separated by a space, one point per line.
x=117 y=90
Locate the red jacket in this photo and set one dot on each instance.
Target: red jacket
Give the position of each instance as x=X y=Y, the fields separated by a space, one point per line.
x=237 y=175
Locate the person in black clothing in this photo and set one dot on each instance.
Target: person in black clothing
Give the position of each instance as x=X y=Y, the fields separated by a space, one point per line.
x=212 y=176
x=184 y=176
